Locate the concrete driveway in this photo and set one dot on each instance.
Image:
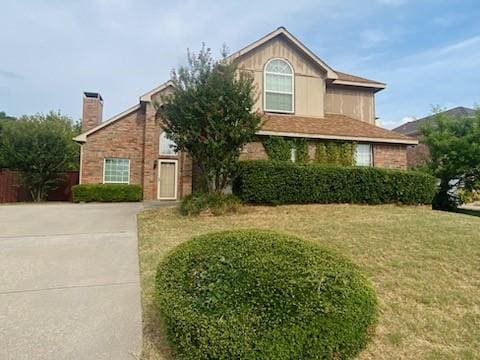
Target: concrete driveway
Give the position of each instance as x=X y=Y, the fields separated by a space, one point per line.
x=69 y=281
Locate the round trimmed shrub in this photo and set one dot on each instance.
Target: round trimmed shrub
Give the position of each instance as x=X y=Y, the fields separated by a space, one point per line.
x=255 y=294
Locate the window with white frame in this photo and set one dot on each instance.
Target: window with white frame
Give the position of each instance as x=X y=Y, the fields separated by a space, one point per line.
x=278 y=86
x=167 y=146
x=363 y=155
x=116 y=171
x=293 y=154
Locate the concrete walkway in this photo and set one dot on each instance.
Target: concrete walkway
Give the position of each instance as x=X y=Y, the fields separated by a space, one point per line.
x=69 y=282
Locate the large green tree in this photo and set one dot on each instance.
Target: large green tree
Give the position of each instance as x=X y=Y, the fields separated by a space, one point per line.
x=4 y=119
x=210 y=115
x=40 y=147
x=455 y=156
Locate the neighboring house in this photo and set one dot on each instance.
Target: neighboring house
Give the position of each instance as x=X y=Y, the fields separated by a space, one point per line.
x=419 y=154
x=299 y=96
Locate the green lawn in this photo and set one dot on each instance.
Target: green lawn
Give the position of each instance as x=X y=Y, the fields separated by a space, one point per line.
x=425 y=266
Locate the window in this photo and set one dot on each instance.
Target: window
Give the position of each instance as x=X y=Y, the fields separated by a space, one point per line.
x=167 y=146
x=116 y=171
x=363 y=155
x=278 y=86
x=293 y=154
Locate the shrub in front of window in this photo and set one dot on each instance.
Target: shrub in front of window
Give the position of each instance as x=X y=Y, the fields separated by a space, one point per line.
x=255 y=294
x=107 y=193
x=272 y=182
x=335 y=153
x=281 y=149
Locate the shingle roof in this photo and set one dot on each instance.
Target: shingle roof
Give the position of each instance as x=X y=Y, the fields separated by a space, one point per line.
x=332 y=126
x=349 y=77
x=413 y=127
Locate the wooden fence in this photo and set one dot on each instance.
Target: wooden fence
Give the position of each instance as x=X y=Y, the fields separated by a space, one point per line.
x=12 y=191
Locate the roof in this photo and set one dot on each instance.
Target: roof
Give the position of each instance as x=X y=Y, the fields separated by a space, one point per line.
x=332 y=126
x=348 y=79
x=83 y=136
x=148 y=95
x=413 y=127
x=335 y=77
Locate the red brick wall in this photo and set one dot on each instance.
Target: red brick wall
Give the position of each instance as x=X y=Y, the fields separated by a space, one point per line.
x=123 y=139
x=417 y=155
x=390 y=156
x=136 y=137
x=253 y=151
x=92 y=112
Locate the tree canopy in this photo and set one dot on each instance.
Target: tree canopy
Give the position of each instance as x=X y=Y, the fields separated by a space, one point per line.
x=454 y=146
x=40 y=147
x=210 y=115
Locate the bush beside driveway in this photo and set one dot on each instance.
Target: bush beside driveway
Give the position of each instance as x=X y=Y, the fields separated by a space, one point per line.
x=423 y=263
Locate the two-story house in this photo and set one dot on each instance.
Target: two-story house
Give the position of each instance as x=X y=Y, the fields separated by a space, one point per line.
x=300 y=96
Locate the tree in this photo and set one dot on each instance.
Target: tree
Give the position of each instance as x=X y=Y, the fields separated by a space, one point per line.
x=455 y=156
x=210 y=115
x=40 y=147
x=4 y=119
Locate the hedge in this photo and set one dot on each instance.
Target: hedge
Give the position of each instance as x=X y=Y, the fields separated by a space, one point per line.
x=107 y=192
x=215 y=203
x=256 y=294
x=280 y=182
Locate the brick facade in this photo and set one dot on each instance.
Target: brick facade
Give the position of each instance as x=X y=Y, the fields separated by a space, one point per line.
x=384 y=155
x=122 y=139
x=417 y=155
x=390 y=156
x=135 y=137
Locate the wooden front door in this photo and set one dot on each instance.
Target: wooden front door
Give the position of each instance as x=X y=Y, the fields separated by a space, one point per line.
x=167 y=179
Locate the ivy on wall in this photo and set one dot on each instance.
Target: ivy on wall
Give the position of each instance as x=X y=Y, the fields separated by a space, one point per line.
x=329 y=152
x=280 y=148
x=335 y=153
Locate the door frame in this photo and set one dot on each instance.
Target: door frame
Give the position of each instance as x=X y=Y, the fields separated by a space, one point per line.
x=170 y=161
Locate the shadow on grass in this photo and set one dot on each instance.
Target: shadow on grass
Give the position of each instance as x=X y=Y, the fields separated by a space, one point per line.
x=154 y=340
x=469 y=212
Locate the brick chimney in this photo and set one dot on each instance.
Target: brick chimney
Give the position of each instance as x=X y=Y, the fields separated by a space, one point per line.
x=92 y=110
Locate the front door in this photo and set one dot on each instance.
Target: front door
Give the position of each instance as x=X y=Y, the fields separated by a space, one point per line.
x=167 y=179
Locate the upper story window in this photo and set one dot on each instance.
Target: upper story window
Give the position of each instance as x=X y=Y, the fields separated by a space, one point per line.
x=167 y=146
x=278 y=86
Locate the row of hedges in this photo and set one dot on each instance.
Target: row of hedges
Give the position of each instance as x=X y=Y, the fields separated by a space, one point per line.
x=282 y=183
x=107 y=192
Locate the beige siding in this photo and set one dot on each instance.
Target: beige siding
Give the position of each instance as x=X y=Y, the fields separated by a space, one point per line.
x=309 y=79
x=356 y=103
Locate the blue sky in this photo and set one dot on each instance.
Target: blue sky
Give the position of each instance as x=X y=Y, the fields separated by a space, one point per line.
x=427 y=51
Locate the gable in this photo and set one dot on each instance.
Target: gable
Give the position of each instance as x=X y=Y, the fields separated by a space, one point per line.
x=281 y=42
x=280 y=47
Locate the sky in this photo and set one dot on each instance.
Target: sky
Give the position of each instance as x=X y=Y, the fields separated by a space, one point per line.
x=427 y=51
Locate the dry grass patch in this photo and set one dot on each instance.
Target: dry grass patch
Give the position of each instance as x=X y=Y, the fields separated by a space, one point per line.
x=425 y=266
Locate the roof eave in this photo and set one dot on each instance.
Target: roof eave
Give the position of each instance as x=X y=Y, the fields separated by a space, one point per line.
x=147 y=97
x=338 y=137
x=83 y=136
x=375 y=86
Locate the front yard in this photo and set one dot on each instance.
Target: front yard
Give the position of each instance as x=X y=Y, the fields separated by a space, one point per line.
x=425 y=266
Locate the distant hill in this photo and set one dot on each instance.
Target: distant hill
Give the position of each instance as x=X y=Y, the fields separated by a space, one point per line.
x=412 y=128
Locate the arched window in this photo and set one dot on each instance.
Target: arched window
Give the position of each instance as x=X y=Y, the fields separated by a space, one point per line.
x=167 y=146
x=278 y=86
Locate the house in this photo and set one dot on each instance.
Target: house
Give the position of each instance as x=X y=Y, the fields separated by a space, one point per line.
x=300 y=96
x=418 y=154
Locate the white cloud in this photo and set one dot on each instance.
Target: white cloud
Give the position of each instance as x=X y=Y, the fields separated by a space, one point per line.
x=373 y=37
